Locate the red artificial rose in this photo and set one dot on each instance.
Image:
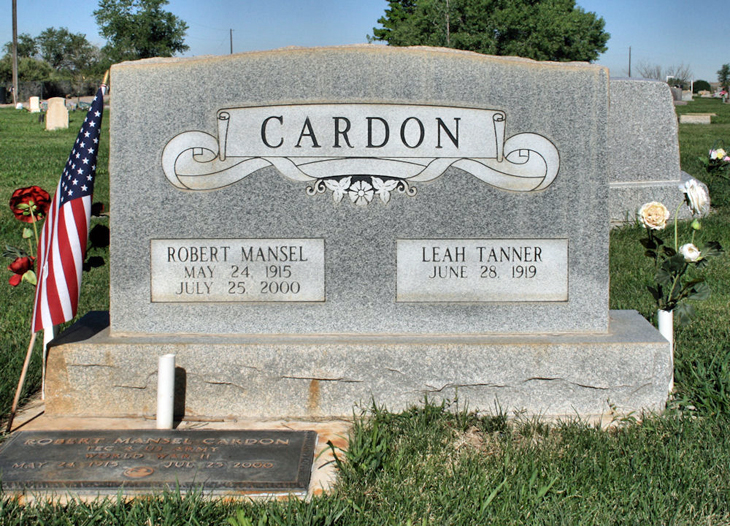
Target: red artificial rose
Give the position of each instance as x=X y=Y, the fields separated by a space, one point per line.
x=19 y=267
x=25 y=200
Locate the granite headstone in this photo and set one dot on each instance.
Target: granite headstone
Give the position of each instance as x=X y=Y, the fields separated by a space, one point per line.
x=643 y=149
x=312 y=228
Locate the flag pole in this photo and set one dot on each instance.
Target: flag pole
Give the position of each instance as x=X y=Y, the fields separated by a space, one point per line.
x=58 y=244
x=50 y=334
x=21 y=382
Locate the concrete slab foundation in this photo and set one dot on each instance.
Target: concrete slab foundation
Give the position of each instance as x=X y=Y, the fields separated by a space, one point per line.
x=326 y=376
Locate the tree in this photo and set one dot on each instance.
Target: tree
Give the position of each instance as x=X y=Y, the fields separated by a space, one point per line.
x=675 y=75
x=139 y=29
x=679 y=76
x=29 y=69
x=27 y=47
x=58 y=54
x=723 y=76
x=650 y=71
x=539 y=29
x=68 y=53
x=701 y=85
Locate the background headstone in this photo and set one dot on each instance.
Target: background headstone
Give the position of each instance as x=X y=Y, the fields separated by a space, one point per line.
x=696 y=118
x=57 y=114
x=35 y=104
x=643 y=149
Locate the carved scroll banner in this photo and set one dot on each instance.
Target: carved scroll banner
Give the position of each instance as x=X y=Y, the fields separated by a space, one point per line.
x=360 y=150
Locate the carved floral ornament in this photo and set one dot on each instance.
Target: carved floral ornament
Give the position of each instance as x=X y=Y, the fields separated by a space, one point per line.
x=362 y=151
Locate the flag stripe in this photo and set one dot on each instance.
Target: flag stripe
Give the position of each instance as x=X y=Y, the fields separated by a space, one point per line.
x=61 y=264
x=42 y=317
x=72 y=262
x=62 y=247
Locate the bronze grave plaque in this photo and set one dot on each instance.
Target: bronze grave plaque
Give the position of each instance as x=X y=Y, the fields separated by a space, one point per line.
x=144 y=461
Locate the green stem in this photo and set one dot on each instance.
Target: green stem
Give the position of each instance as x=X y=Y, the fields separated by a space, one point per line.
x=652 y=238
x=35 y=230
x=674 y=284
x=676 y=236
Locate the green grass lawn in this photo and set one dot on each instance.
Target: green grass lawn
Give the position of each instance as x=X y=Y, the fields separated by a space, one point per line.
x=442 y=465
x=32 y=156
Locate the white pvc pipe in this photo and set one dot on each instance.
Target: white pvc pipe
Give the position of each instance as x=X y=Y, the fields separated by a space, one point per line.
x=165 y=391
x=665 y=321
x=48 y=335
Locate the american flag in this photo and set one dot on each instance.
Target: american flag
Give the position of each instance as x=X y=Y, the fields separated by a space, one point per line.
x=62 y=246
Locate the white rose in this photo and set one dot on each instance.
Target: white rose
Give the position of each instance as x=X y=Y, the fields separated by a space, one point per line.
x=654 y=215
x=697 y=198
x=690 y=252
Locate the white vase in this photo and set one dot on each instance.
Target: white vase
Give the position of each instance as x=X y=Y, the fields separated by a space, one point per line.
x=665 y=321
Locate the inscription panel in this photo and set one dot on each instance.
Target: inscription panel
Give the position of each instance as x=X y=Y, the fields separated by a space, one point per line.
x=482 y=270
x=237 y=270
x=144 y=460
x=390 y=144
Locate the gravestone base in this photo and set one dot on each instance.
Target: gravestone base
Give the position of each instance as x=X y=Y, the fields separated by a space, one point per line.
x=626 y=198
x=323 y=376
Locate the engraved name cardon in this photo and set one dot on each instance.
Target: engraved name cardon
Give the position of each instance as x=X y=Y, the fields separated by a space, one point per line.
x=361 y=150
x=486 y=270
x=376 y=133
x=237 y=270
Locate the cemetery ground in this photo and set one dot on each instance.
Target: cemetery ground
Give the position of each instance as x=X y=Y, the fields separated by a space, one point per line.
x=446 y=464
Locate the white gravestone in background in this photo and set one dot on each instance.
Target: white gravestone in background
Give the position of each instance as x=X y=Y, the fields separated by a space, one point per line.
x=57 y=114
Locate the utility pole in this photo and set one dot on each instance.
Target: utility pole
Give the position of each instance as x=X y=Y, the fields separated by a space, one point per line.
x=15 y=52
x=629 y=61
x=231 y=41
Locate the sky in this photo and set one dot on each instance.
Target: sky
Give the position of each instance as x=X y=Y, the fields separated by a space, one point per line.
x=659 y=32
